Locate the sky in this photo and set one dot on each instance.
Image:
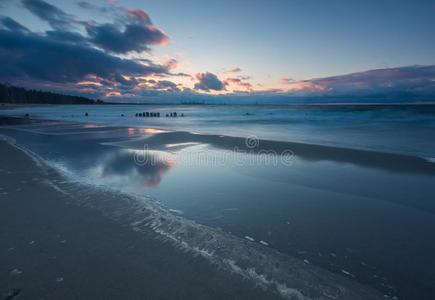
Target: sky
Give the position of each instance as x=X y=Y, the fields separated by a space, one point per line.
x=129 y=49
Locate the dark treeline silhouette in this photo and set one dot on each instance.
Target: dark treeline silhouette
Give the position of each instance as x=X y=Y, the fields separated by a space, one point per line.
x=18 y=95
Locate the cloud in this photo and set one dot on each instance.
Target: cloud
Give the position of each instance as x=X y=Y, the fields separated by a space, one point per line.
x=82 y=56
x=208 y=81
x=238 y=83
x=116 y=11
x=57 y=18
x=10 y=24
x=405 y=80
x=166 y=85
x=139 y=15
x=235 y=70
x=90 y=6
x=172 y=63
x=287 y=80
x=132 y=30
x=123 y=40
x=66 y=36
x=48 y=58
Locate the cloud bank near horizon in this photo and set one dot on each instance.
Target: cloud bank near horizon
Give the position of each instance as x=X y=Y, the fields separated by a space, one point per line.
x=417 y=80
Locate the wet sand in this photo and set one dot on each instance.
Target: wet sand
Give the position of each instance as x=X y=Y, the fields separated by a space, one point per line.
x=53 y=249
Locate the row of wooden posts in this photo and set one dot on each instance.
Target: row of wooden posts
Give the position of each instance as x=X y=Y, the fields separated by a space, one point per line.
x=147 y=114
x=157 y=114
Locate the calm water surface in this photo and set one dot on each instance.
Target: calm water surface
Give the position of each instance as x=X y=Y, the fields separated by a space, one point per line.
x=397 y=129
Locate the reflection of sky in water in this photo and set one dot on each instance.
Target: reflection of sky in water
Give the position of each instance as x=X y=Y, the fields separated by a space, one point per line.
x=119 y=169
x=375 y=223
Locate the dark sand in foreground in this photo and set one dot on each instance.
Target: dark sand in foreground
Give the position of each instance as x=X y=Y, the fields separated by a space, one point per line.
x=51 y=249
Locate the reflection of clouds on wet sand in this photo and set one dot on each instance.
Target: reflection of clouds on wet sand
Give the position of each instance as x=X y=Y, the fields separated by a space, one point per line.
x=119 y=168
x=143 y=131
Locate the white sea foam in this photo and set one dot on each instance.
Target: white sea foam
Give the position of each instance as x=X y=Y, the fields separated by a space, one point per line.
x=429 y=159
x=249 y=238
x=347 y=273
x=181 y=144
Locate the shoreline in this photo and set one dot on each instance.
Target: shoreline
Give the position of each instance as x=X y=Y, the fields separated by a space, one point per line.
x=390 y=161
x=170 y=227
x=299 y=134
x=53 y=248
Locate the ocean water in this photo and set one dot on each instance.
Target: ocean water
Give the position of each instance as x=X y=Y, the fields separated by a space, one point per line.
x=372 y=223
x=407 y=129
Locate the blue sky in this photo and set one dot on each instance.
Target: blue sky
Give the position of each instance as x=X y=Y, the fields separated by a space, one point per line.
x=295 y=40
x=300 y=39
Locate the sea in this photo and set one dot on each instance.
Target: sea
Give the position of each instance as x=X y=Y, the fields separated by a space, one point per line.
x=363 y=216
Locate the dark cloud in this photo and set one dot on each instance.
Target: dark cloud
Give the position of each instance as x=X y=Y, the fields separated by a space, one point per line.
x=66 y=57
x=181 y=74
x=48 y=58
x=91 y=6
x=125 y=82
x=57 y=18
x=166 y=85
x=66 y=36
x=132 y=30
x=10 y=24
x=208 y=81
x=122 y=40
